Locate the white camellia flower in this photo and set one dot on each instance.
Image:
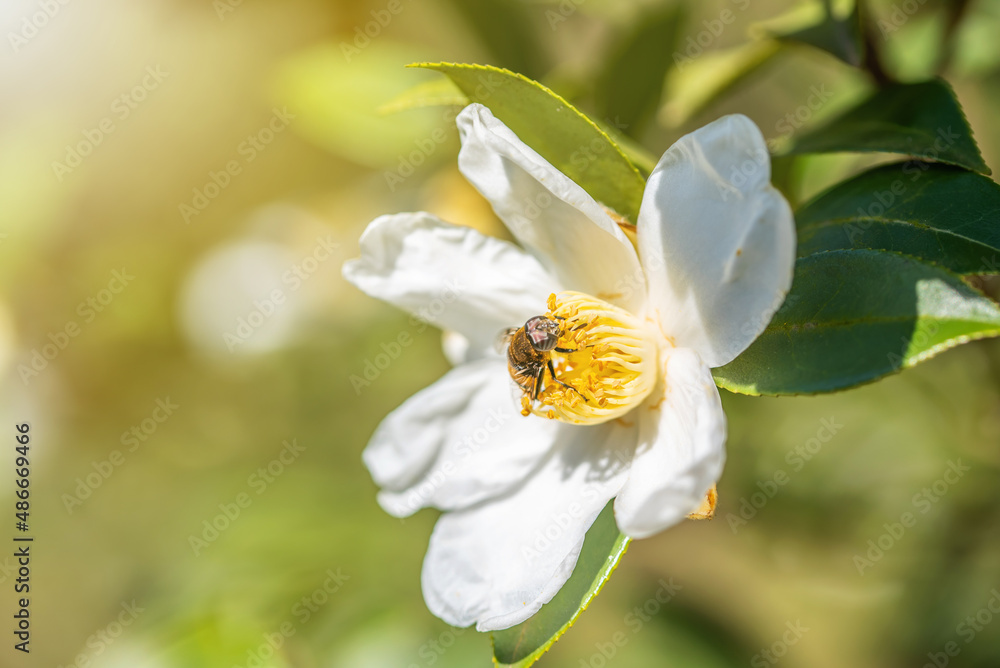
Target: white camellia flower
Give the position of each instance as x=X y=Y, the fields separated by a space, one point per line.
x=636 y=415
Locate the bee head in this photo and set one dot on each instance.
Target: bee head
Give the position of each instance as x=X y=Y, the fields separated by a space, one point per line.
x=543 y=333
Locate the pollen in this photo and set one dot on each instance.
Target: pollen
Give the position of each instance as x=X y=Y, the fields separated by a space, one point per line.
x=612 y=366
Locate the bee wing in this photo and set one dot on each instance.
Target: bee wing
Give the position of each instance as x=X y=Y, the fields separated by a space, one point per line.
x=504 y=337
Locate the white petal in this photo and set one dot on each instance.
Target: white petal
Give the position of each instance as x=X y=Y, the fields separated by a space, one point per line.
x=497 y=563
x=483 y=451
x=450 y=276
x=408 y=440
x=717 y=241
x=456 y=347
x=548 y=213
x=681 y=449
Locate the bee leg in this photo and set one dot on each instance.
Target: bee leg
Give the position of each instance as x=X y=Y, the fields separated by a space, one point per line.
x=539 y=375
x=568 y=387
x=571 y=350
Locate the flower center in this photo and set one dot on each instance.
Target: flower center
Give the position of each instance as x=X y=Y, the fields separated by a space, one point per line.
x=611 y=367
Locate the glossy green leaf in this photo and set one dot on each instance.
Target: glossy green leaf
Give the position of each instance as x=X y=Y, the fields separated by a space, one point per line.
x=629 y=89
x=840 y=37
x=922 y=120
x=444 y=93
x=565 y=137
x=853 y=316
x=939 y=213
x=522 y=645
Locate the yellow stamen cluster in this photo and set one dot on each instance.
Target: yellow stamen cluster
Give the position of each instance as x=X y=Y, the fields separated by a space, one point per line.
x=612 y=369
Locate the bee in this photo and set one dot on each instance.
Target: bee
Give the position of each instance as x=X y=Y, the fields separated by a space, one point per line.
x=529 y=353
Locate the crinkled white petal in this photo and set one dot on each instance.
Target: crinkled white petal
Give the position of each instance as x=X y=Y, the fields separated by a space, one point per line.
x=408 y=440
x=497 y=563
x=548 y=213
x=450 y=276
x=681 y=449
x=484 y=450
x=717 y=240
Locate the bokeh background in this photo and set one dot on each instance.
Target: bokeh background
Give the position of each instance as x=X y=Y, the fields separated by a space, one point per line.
x=117 y=119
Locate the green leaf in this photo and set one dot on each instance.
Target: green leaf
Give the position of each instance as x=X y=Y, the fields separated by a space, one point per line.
x=853 y=316
x=838 y=37
x=522 y=645
x=629 y=89
x=573 y=143
x=938 y=213
x=444 y=93
x=922 y=120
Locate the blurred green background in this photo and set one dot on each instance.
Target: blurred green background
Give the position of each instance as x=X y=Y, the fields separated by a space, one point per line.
x=213 y=153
